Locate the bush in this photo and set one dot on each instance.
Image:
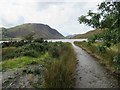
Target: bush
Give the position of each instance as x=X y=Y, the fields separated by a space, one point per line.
x=91 y=39
x=89 y=44
x=54 y=52
x=55 y=49
x=27 y=48
x=9 y=56
x=14 y=43
x=31 y=53
x=5 y=44
x=40 y=40
x=101 y=49
x=107 y=44
x=8 y=52
x=116 y=58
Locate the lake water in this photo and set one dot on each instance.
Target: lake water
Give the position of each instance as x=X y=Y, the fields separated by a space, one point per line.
x=3 y=41
x=66 y=40
x=59 y=40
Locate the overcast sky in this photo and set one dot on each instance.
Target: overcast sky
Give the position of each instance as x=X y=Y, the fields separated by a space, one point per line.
x=61 y=15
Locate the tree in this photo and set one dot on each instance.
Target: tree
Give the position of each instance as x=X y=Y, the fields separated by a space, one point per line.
x=108 y=16
x=91 y=19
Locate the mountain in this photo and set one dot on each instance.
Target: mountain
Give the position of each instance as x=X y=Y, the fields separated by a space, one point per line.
x=70 y=36
x=89 y=33
x=39 y=30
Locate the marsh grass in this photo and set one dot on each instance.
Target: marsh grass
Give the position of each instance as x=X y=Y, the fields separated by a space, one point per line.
x=60 y=72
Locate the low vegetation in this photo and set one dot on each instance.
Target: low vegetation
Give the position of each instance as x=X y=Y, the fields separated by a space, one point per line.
x=107 y=56
x=60 y=71
x=57 y=60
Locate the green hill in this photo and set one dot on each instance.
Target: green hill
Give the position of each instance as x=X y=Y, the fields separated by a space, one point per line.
x=88 y=34
x=39 y=30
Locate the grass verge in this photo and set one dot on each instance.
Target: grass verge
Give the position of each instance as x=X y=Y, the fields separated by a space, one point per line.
x=106 y=58
x=60 y=72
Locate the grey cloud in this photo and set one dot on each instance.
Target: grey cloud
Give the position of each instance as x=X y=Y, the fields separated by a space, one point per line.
x=6 y=23
x=45 y=5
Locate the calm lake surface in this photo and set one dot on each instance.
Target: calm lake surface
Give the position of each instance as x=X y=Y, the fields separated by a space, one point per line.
x=59 y=40
x=66 y=40
x=3 y=41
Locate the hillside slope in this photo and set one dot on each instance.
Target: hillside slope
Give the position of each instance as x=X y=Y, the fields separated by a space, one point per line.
x=89 y=33
x=39 y=30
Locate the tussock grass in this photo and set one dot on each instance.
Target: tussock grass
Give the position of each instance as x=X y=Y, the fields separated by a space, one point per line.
x=60 y=72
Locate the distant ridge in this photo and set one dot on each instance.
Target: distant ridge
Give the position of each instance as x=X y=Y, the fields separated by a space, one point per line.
x=89 y=34
x=39 y=30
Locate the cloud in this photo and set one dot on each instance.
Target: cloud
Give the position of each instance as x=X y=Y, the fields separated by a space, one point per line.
x=8 y=23
x=59 y=14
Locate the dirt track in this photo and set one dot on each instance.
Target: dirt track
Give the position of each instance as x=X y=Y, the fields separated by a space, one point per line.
x=91 y=74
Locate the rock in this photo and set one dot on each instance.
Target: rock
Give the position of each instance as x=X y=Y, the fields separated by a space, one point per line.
x=10 y=77
x=80 y=77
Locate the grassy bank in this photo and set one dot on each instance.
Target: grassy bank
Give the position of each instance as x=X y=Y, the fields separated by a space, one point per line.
x=105 y=58
x=57 y=60
x=60 y=71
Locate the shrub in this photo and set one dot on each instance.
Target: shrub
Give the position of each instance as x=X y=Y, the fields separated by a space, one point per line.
x=116 y=58
x=40 y=40
x=14 y=43
x=54 y=52
x=101 y=49
x=31 y=53
x=91 y=39
x=5 y=44
x=107 y=44
x=55 y=49
x=8 y=52
x=89 y=44
x=8 y=56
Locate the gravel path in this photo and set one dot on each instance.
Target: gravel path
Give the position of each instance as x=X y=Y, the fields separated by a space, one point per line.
x=90 y=74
